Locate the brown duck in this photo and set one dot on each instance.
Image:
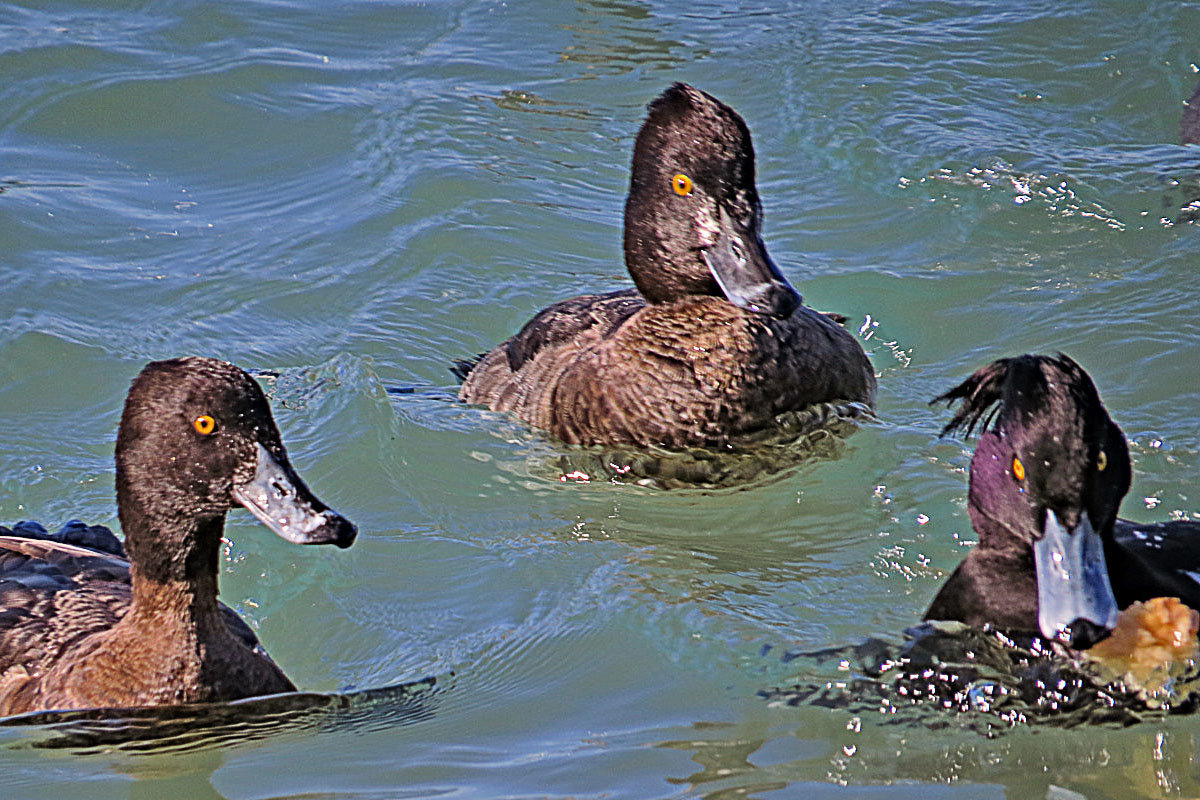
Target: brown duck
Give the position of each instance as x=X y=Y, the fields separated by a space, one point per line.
x=712 y=345
x=84 y=628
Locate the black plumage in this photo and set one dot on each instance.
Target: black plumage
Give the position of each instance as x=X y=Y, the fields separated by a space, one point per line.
x=1049 y=449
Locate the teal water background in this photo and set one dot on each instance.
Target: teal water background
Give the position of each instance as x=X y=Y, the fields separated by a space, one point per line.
x=351 y=195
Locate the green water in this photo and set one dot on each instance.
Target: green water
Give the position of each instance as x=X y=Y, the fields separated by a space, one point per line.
x=353 y=195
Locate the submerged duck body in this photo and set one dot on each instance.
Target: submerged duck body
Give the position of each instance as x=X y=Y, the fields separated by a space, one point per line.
x=1047 y=478
x=82 y=627
x=712 y=344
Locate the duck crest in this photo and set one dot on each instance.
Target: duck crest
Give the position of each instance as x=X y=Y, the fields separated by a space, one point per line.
x=1047 y=479
x=1011 y=389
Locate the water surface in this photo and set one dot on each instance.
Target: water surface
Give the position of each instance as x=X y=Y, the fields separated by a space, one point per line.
x=350 y=196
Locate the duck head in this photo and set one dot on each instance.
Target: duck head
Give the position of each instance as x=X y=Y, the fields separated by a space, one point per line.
x=693 y=217
x=197 y=439
x=1048 y=475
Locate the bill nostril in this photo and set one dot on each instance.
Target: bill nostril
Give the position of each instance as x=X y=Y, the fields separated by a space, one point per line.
x=738 y=252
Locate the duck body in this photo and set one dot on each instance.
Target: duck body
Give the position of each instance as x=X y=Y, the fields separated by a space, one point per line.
x=1158 y=559
x=68 y=637
x=696 y=372
x=82 y=627
x=713 y=343
x=1047 y=477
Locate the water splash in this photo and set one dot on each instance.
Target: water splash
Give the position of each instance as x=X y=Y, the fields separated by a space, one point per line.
x=950 y=675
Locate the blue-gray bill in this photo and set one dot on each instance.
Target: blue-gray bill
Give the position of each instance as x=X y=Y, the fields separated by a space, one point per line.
x=282 y=502
x=746 y=274
x=1075 y=598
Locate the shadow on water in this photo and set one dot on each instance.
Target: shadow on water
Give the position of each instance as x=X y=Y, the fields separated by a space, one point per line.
x=178 y=729
x=815 y=433
x=952 y=676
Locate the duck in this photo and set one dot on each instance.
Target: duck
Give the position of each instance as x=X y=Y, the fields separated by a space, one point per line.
x=1189 y=125
x=82 y=626
x=711 y=345
x=1046 y=482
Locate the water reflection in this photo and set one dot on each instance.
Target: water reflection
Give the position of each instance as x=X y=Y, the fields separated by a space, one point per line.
x=1099 y=763
x=814 y=434
x=722 y=761
x=618 y=36
x=842 y=737
x=516 y=100
x=747 y=759
x=176 y=729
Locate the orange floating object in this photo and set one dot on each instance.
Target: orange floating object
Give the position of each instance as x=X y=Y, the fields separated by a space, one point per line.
x=1156 y=636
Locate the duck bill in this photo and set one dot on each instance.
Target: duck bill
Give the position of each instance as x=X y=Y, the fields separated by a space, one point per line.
x=281 y=501
x=746 y=274
x=1075 y=596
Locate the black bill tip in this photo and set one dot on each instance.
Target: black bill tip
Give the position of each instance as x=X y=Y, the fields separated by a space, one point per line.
x=1082 y=634
x=337 y=530
x=276 y=495
x=777 y=299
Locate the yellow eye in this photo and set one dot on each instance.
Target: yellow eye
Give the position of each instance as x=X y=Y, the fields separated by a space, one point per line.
x=1018 y=469
x=1101 y=461
x=682 y=185
x=204 y=424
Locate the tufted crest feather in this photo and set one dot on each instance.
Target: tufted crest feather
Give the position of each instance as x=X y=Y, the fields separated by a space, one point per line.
x=1003 y=388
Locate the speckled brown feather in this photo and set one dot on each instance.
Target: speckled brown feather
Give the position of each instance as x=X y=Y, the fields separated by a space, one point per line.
x=56 y=601
x=695 y=372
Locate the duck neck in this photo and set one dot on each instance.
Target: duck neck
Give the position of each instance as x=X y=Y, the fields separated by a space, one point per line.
x=995 y=534
x=174 y=575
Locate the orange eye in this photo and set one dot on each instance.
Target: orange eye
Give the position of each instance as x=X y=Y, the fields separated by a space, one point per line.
x=682 y=185
x=1018 y=469
x=1101 y=461
x=204 y=424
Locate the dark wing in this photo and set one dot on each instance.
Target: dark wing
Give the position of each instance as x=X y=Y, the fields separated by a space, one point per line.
x=593 y=315
x=519 y=375
x=93 y=537
x=51 y=595
x=566 y=320
x=239 y=628
x=461 y=367
x=701 y=372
